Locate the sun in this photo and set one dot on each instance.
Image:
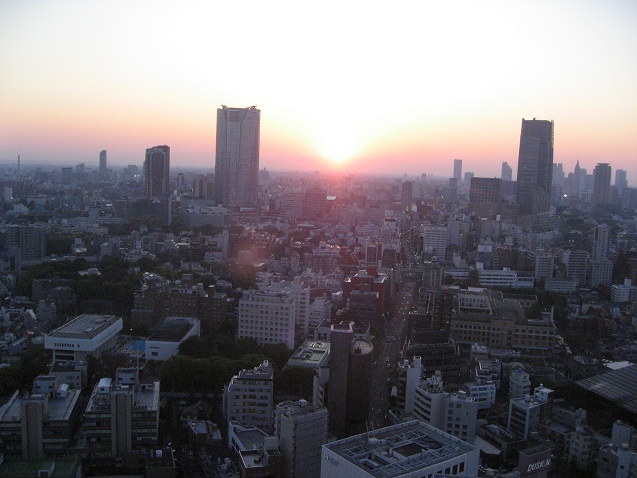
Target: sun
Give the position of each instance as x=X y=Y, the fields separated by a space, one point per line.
x=338 y=144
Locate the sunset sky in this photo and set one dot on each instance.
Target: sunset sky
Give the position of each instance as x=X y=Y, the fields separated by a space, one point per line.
x=373 y=87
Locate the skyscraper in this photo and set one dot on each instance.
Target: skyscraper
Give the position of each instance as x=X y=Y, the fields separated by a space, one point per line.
x=349 y=381
x=507 y=172
x=157 y=172
x=620 y=180
x=457 y=170
x=237 y=156
x=535 y=166
x=601 y=184
x=103 y=165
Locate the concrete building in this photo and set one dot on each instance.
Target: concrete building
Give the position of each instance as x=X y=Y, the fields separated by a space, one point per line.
x=123 y=416
x=457 y=170
x=40 y=424
x=601 y=184
x=535 y=167
x=302 y=430
x=577 y=266
x=409 y=376
x=87 y=334
x=267 y=317
x=525 y=412
x=601 y=273
x=248 y=398
x=406 y=450
x=350 y=377
x=482 y=392
x=434 y=240
x=103 y=167
x=485 y=196
x=544 y=265
x=312 y=354
x=519 y=383
x=506 y=173
x=301 y=294
x=484 y=316
x=620 y=180
x=455 y=414
x=616 y=461
x=157 y=172
x=622 y=293
x=237 y=157
x=164 y=342
x=256 y=452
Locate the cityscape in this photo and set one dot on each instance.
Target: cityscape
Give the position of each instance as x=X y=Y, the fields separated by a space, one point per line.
x=358 y=289
x=255 y=323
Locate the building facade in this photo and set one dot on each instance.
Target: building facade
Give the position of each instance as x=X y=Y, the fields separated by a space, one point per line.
x=157 y=172
x=237 y=157
x=535 y=167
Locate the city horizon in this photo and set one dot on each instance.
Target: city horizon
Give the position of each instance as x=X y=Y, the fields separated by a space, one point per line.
x=407 y=101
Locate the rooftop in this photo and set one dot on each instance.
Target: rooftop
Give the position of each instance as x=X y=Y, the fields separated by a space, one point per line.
x=86 y=326
x=173 y=329
x=312 y=353
x=399 y=449
x=60 y=408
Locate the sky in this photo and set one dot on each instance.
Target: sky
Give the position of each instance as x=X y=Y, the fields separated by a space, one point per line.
x=369 y=87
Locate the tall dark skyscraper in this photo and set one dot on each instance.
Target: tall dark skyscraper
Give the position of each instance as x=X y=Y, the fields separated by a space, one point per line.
x=157 y=172
x=103 y=166
x=601 y=184
x=237 y=156
x=535 y=166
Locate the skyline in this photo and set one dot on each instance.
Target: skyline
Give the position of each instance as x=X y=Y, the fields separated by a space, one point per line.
x=359 y=88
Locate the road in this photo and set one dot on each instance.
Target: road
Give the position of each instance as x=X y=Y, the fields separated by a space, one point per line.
x=385 y=375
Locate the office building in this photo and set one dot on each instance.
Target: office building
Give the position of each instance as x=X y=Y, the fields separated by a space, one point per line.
x=157 y=172
x=302 y=430
x=455 y=414
x=601 y=239
x=507 y=172
x=482 y=392
x=457 y=170
x=312 y=354
x=484 y=316
x=620 y=180
x=314 y=203
x=485 y=197
x=267 y=317
x=87 y=334
x=409 y=376
x=123 y=416
x=349 y=386
x=256 y=452
x=247 y=399
x=237 y=157
x=434 y=240
x=601 y=184
x=25 y=243
x=166 y=338
x=535 y=167
x=40 y=424
x=406 y=450
x=601 y=273
x=577 y=266
x=544 y=264
x=407 y=196
x=526 y=413
x=103 y=168
x=519 y=383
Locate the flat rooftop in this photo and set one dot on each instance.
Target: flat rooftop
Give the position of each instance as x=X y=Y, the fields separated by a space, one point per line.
x=399 y=449
x=85 y=326
x=173 y=329
x=312 y=353
x=146 y=399
x=60 y=408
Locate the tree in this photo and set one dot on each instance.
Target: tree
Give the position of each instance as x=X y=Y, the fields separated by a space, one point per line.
x=297 y=381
